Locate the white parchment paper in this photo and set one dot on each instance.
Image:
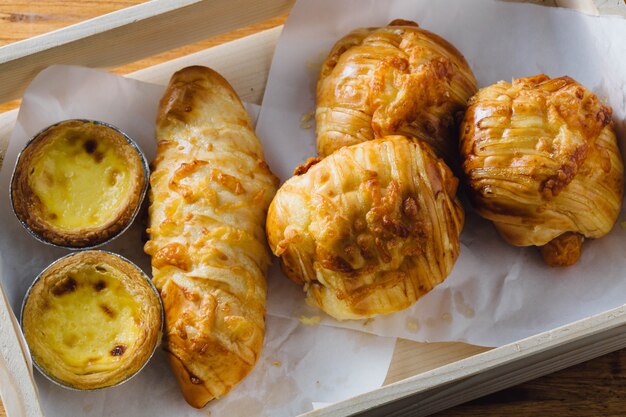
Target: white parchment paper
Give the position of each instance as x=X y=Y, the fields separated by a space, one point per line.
x=299 y=365
x=496 y=293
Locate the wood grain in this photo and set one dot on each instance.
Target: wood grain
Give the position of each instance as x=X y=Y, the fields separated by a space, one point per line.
x=591 y=389
x=594 y=388
x=27 y=19
x=24 y=19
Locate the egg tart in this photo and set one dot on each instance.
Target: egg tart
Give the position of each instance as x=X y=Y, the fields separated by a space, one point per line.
x=78 y=184
x=91 y=320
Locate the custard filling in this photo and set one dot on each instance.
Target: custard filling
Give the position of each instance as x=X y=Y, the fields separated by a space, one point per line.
x=81 y=181
x=90 y=321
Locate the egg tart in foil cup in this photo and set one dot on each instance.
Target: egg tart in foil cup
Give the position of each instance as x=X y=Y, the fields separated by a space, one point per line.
x=91 y=320
x=79 y=184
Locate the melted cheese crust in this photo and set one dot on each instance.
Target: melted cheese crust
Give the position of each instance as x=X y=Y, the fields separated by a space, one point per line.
x=81 y=179
x=542 y=162
x=392 y=80
x=210 y=189
x=369 y=229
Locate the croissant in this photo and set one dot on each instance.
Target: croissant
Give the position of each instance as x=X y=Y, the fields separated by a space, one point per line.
x=369 y=229
x=397 y=79
x=542 y=162
x=210 y=190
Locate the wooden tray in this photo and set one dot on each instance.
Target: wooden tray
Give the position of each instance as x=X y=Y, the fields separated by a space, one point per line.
x=424 y=377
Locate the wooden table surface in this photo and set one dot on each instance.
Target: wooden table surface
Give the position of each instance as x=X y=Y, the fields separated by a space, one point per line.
x=594 y=388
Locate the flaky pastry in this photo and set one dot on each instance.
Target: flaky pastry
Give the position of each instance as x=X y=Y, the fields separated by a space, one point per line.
x=369 y=229
x=542 y=163
x=397 y=79
x=210 y=189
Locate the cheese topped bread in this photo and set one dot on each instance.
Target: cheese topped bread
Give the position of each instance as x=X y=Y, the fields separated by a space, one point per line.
x=210 y=190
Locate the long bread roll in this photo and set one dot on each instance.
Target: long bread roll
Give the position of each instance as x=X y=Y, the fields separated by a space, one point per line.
x=210 y=190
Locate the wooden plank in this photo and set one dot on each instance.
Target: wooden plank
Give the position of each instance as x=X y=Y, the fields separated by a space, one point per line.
x=248 y=80
x=590 y=389
x=412 y=358
x=7 y=121
x=490 y=371
x=585 y=6
x=23 y=19
x=128 y=35
x=179 y=52
x=20 y=395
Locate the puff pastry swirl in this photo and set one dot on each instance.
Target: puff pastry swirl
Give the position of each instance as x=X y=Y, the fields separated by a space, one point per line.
x=210 y=189
x=369 y=229
x=397 y=79
x=542 y=162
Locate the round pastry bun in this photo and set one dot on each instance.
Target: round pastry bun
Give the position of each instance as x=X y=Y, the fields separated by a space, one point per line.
x=369 y=229
x=542 y=162
x=92 y=320
x=394 y=80
x=78 y=184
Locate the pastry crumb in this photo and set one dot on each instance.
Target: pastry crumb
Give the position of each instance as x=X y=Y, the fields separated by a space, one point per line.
x=277 y=364
x=305 y=120
x=310 y=321
x=368 y=321
x=412 y=325
x=462 y=307
x=623 y=224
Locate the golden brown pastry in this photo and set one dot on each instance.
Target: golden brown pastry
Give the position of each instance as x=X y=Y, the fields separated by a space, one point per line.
x=397 y=79
x=209 y=197
x=78 y=183
x=542 y=163
x=91 y=320
x=369 y=229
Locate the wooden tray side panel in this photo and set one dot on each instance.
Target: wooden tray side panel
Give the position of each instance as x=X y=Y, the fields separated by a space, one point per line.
x=128 y=35
x=488 y=372
x=249 y=80
x=244 y=62
x=17 y=387
x=412 y=358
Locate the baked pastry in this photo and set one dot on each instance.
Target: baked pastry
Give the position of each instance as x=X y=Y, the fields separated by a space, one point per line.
x=91 y=320
x=397 y=79
x=369 y=229
x=209 y=197
x=542 y=163
x=78 y=184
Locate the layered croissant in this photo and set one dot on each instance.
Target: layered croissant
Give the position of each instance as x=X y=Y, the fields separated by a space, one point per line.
x=542 y=162
x=209 y=197
x=398 y=79
x=369 y=229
